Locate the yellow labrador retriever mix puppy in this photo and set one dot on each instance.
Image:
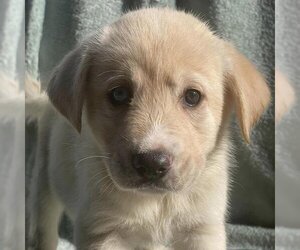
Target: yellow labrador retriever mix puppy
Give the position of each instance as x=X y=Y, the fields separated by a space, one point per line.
x=136 y=149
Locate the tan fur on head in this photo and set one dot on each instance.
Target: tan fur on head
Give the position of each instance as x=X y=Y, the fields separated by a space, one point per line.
x=243 y=78
x=156 y=57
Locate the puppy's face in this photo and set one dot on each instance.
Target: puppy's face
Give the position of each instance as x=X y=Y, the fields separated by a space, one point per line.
x=155 y=101
x=155 y=96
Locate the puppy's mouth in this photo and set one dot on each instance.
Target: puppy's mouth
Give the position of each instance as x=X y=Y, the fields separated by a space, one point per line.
x=137 y=184
x=125 y=177
x=152 y=186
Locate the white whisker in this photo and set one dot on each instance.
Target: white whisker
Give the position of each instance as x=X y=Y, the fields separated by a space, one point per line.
x=108 y=186
x=109 y=71
x=125 y=138
x=91 y=157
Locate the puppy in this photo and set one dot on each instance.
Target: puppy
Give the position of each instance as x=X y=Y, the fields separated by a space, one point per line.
x=138 y=153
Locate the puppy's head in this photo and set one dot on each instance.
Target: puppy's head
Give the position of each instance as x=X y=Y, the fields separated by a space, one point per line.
x=156 y=88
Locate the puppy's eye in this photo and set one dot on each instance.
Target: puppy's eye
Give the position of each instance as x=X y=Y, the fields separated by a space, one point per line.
x=192 y=97
x=120 y=95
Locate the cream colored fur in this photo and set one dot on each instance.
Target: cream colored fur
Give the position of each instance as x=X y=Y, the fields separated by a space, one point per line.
x=11 y=98
x=82 y=165
x=285 y=96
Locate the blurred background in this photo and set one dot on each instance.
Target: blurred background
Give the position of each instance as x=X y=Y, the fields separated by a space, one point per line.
x=12 y=121
x=287 y=162
x=48 y=29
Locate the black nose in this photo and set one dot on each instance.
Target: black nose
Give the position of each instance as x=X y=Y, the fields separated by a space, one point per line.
x=152 y=165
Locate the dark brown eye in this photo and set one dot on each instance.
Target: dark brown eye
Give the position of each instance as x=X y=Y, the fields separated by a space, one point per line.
x=120 y=95
x=192 y=97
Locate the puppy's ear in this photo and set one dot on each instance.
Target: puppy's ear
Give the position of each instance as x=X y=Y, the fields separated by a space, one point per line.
x=66 y=89
x=248 y=87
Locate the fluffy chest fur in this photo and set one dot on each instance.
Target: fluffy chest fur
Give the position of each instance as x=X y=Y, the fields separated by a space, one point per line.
x=95 y=202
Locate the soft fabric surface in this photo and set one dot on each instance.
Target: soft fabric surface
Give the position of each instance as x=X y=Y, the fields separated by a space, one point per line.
x=287 y=133
x=248 y=24
x=249 y=237
x=12 y=39
x=287 y=238
x=240 y=237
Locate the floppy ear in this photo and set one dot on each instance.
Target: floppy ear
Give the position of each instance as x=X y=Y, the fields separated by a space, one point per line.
x=249 y=89
x=66 y=89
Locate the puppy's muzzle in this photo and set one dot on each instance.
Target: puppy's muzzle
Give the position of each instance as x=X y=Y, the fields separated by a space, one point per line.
x=152 y=165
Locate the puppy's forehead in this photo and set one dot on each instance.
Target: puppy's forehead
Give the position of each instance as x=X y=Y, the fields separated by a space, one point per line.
x=161 y=44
